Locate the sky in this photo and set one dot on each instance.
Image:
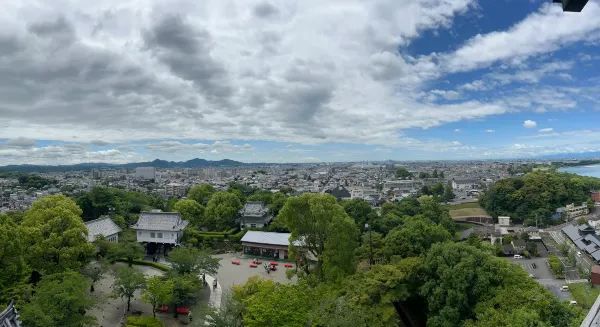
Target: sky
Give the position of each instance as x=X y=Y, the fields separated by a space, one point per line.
x=296 y=81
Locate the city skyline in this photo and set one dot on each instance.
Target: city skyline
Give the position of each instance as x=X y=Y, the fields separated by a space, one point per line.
x=270 y=81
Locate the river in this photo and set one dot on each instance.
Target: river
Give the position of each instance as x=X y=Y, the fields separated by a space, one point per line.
x=591 y=170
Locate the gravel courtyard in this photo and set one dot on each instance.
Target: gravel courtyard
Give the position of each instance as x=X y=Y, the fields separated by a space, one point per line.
x=230 y=274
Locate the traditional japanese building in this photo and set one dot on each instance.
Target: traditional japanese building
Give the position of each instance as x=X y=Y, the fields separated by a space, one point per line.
x=103 y=226
x=254 y=215
x=157 y=229
x=9 y=317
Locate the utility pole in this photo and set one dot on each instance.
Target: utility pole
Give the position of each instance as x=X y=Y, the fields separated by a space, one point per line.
x=370 y=246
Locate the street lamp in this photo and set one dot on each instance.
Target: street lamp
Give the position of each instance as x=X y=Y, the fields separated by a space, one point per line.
x=370 y=245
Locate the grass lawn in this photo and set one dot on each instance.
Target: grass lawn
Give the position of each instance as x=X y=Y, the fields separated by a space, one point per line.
x=465 y=205
x=584 y=294
x=478 y=211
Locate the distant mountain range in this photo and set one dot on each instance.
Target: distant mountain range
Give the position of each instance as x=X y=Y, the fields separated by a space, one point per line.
x=157 y=163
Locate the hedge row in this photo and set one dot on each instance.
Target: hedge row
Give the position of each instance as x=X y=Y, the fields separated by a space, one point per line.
x=156 y=265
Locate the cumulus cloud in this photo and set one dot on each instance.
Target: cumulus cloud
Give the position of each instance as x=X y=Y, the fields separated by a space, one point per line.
x=113 y=72
x=540 y=32
x=529 y=124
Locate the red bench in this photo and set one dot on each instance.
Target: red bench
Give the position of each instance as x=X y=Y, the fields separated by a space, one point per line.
x=253 y=265
x=183 y=310
x=163 y=308
x=288 y=265
x=273 y=263
x=235 y=262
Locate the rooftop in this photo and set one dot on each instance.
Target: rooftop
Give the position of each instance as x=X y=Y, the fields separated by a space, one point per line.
x=160 y=221
x=102 y=226
x=271 y=238
x=254 y=209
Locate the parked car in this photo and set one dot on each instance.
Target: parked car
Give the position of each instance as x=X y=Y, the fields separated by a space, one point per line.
x=572 y=302
x=517 y=256
x=579 y=254
x=564 y=288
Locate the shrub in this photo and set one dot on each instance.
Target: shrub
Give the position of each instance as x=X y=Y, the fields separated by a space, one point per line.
x=143 y=321
x=156 y=265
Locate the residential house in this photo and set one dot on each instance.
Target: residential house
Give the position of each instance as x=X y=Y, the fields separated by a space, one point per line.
x=504 y=221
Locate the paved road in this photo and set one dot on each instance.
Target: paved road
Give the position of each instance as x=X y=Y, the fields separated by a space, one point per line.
x=543 y=275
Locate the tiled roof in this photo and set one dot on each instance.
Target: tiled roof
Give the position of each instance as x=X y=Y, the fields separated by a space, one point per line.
x=572 y=232
x=102 y=226
x=254 y=209
x=160 y=221
x=270 y=238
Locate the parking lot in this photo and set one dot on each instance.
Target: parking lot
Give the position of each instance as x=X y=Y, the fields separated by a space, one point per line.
x=538 y=267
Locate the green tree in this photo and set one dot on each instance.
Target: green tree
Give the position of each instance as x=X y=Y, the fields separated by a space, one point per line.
x=403 y=173
x=127 y=281
x=94 y=272
x=432 y=210
x=260 y=297
x=359 y=210
x=414 y=238
x=126 y=249
x=158 y=291
x=556 y=266
x=456 y=277
x=324 y=229
x=55 y=235
x=190 y=210
x=102 y=246
x=60 y=300
x=201 y=193
x=448 y=193
x=188 y=260
x=222 y=210
x=229 y=314
x=437 y=189
x=12 y=264
x=370 y=298
x=185 y=289
x=372 y=244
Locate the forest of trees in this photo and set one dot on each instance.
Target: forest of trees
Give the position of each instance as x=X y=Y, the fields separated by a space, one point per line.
x=536 y=195
x=422 y=276
x=397 y=265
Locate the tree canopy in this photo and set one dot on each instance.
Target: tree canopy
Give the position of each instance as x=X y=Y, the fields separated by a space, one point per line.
x=55 y=235
x=222 y=210
x=127 y=281
x=201 y=193
x=188 y=260
x=60 y=300
x=536 y=195
x=190 y=210
x=323 y=228
x=12 y=264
